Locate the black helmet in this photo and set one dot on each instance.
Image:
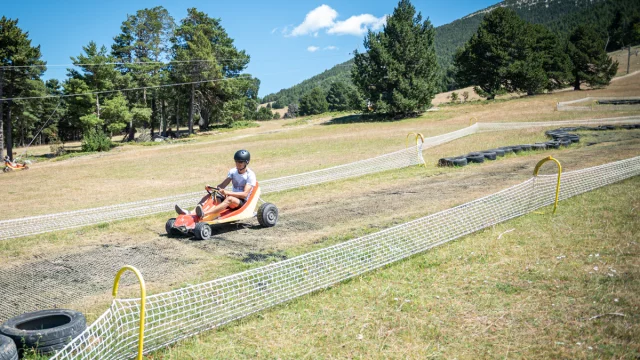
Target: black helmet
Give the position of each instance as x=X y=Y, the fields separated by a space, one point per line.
x=242 y=155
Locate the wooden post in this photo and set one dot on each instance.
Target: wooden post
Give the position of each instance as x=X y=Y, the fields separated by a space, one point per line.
x=629 y=59
x=191 y=104
x=1 y=114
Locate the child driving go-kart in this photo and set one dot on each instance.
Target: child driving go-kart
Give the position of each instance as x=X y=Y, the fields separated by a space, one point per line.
x=13 y=166
x=222 y=206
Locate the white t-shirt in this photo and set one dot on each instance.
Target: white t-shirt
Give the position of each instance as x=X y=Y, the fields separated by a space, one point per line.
x=240 y=180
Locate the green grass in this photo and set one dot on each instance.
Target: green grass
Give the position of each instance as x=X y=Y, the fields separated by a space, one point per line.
x=533 y=293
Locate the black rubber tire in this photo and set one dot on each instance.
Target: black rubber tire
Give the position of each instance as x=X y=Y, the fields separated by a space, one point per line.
x=445 y=162
x=499 y=152
x=539 y=146
x=489 y=155
x=507 y=150
x=474 y=158
x=8 y=349
x=525 y=147
x=574 y=138
x=553 y=145
x=459 y=161
x=267 y=215
x=202 y=231
x=565 y=142
x=516 y=148
x=168 y=227
x=44 y=329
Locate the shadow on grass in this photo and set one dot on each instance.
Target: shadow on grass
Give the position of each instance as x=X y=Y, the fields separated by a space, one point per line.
x=366 y=118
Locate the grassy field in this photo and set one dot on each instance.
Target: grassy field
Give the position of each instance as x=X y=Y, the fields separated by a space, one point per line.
x=487 y=298
x=539 y=286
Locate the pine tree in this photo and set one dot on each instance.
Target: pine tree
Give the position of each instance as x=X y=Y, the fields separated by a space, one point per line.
x=338 y=96
x=21 y=79
x=591 y=64
x=200 y=37
x=313 y=103
x=486 y=58
x=398 y=73
x=142 y=45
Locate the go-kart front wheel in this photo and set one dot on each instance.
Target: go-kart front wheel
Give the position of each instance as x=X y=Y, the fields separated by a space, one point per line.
x=267 y=215
x=168 y=227
x=202 y=231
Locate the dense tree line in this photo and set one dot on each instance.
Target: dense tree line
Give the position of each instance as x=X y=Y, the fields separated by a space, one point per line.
x=338 y=73
x=151 y=50
x=559 y=17
x=517 y=56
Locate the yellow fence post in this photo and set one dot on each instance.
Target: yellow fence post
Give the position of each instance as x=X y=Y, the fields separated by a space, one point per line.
x=471 y=120
x=143 y=298
x=419 y=137
x=535 y=173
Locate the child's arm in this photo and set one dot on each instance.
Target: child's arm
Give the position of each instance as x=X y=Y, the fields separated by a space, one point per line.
x=224 y=184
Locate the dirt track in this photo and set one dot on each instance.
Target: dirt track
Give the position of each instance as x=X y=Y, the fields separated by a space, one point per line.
x=368 y=203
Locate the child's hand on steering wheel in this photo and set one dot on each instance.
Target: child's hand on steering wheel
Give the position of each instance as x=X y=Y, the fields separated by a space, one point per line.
x=222 y=192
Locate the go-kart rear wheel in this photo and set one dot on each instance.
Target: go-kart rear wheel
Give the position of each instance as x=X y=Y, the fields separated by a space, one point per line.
x=202 y=231
x=268 y=215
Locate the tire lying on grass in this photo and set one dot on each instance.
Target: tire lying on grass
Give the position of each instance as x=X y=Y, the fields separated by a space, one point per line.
x=499 y=152
x=539 y=146
x=8 y=350
x=525 y=147
x=475 y=157
x=46 y=331
x=507 y=150
x=489 y=155
x=553 y=145
x=458 y=161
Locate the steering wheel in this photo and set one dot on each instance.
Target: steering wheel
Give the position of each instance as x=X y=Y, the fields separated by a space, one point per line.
x=214 y=192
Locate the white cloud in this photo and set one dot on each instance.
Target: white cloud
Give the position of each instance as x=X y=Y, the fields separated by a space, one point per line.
x=358 y=25
x=313 y=48
x=274 y=30
x=319 y=18
x=331 y=47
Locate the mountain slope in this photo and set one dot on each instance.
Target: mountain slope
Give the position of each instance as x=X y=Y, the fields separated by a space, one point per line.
x=558 y=15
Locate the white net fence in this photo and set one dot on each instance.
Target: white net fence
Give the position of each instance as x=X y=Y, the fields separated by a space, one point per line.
x=184 y=312
x=527 y=125
x=14 y=228
x=45 y=223
x=599 y=103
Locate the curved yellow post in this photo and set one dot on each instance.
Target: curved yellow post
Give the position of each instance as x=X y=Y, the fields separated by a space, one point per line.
x=535 y=173
x=419 y=137
x=406 y=140
x=471 y=120
x=143 y=299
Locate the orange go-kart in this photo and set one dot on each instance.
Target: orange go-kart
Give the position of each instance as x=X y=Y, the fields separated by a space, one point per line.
x=201 y=228
x=10 y=166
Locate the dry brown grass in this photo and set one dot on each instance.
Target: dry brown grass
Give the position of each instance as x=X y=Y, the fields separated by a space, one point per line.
x=133 y=172
x=619 y=56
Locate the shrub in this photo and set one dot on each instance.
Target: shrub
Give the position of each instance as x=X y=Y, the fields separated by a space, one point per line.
x=95 y=140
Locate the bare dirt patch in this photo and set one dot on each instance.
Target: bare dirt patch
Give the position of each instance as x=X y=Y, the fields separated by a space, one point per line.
x=311 y=217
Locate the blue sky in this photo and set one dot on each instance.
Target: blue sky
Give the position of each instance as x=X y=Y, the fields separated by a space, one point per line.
x=288 y=41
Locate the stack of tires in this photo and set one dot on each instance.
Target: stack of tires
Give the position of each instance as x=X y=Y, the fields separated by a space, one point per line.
x=562 y=137
x=490 y=155
x=41 y=332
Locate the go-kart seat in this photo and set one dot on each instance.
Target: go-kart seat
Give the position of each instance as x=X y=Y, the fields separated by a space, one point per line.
x=232 y=212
